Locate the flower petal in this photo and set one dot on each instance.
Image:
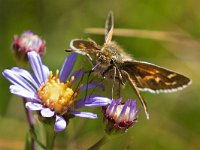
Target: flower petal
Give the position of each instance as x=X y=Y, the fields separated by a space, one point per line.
x=37 y=66
x=46 y=71
x=123 y=111
x=84 y=114
x=46 y=112
x=14 y=89
x=60 y=124
x=133 y=106
x=110 y=107
x=18 y=80
x=133 y=112
x=116 y=105
x=92 y=85
x=34 y=106
x=67 y=66
x=77 y=74
x=27 y=75
x=93 y=102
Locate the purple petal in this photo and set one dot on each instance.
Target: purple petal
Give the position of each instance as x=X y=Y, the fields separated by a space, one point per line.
x=60 y=124
x=34 y=106
x=123 y=112
x=125 y=107
x=67 y=66
x=27 y=75
x=133 y=111
x=92 y=85
x=77 y=74
x=116 y=105
x=84 y=114
x=46 y=71
x=133 y=106
x=93 y=102
x=46 y=112
x=37 y=66
x=14 y=89
x=110 y=107
x=18 y=80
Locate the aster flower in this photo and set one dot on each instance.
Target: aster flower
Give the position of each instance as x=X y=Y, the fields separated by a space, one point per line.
x=53 y=96
x=26 y=42
x=120 y=116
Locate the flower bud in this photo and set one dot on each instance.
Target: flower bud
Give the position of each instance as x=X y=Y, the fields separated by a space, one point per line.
x=26 y=42
x=118 y=116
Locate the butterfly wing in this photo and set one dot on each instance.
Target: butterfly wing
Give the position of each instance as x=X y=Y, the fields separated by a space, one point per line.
x=155 y=79
x=84 y=46
x=109 y=27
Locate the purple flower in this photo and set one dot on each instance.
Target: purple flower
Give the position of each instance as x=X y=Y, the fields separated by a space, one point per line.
x=120 y=116
x=26 y=42
x=53 y=96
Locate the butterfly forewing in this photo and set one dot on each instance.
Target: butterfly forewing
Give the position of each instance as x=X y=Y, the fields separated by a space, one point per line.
x=109 y=28
x=152 y=78
x=84 y=46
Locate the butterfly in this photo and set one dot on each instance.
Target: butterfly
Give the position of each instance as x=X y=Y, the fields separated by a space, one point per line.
x=111 y=62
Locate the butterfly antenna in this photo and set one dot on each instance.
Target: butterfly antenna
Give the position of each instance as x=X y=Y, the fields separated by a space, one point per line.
x=68 y=50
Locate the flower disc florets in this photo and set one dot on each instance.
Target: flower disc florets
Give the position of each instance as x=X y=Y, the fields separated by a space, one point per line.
x=57 y=95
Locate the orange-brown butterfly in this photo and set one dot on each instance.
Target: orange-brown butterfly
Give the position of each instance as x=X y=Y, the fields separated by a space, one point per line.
x=111 y=62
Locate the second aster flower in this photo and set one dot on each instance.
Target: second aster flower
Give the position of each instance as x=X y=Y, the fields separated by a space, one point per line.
x=52 y=95
x=118 y=116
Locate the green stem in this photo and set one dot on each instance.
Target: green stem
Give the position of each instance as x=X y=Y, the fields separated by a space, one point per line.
x=30 y=119
x=50 y=137
x=100 y=143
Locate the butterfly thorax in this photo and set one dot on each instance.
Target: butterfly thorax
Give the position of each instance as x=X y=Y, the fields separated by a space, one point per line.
x=109 y=53
x=107 y=58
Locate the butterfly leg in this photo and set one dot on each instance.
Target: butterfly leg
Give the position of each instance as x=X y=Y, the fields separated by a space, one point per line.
x=90 y=59
x=120 y=79
x=119 y=89
x=137 y=93
x=113 y=82
x=89 y=73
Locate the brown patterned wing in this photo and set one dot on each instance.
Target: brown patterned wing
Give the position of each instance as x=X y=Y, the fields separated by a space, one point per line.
x=84 y=46
x=109 y=27
x=155 y=79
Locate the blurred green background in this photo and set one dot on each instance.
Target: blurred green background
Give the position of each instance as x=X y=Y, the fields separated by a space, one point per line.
x=174 y=118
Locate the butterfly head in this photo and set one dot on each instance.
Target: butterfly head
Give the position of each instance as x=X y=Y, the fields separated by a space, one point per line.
x=103 y=58
x=106 y=55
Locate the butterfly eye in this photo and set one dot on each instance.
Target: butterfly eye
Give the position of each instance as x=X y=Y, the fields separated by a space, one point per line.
x=113 y=60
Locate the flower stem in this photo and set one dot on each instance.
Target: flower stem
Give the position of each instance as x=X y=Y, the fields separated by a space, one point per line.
x=100 y=143
x=50 y=137
x=30 y=119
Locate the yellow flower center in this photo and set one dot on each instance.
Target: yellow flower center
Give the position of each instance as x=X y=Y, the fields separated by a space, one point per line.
x=56 y=95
